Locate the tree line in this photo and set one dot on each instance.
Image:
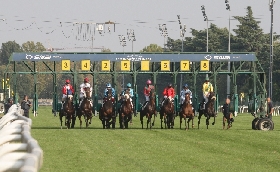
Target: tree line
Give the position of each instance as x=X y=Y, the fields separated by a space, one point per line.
x=247 y=37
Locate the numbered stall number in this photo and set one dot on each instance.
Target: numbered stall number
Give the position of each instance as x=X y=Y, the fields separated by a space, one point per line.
x=204 y=65
x=185 y=65
x=65 y=65
x=165 y=65
x=85 y=65
x=125 y=65
x=145 y=65
x=105 y=65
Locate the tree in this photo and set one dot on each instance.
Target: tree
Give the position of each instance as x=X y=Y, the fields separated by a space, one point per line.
x=152 y=48
x=7 y=49
x=105 y=50
x=30 y=46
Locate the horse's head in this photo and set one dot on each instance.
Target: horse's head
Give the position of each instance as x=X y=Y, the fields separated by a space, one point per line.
x=87 y=91
x=126 y=97
x=187 y=96
x=109 y=93
x=212 y=96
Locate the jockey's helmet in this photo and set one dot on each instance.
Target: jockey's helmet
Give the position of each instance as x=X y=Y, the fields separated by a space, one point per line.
x=149 y=82
x=186 y=85
x=86 y=80
x=10 y=100
x=207 y=79
x=67 y=81
x=128 y=85
x=108 y=85
x=169 y=85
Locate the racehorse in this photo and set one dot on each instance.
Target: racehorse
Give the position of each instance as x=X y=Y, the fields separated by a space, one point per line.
x=187 y=111
x=126 y=111
x=167 y=112
x=68 y=111
x=107 y=113
x=149 y=110
x=209 y=110
x=229 y=119
x=86 y=109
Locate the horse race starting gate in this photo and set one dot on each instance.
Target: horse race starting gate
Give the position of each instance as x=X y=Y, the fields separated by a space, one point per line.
x=135 y=64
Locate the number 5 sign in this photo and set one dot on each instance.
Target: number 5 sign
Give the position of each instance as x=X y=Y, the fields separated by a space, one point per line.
x=165 y=65
x=125 y=65
x=85 y=65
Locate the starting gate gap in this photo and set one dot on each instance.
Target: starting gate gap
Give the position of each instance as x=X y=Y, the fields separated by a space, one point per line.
x=133 y=64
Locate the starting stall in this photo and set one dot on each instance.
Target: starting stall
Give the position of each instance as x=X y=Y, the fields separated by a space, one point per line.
x=153 y=65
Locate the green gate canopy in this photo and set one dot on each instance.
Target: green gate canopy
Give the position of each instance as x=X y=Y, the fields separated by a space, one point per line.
x=153 y=57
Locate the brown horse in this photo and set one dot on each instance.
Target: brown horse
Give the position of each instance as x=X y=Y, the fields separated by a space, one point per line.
x=126 y=111
x=86 y=109
x=107 y=112
x=167 y=113
x=209 y=110
x=186 y=111
x=149 y=111
x=68 y=111
x=229 y=119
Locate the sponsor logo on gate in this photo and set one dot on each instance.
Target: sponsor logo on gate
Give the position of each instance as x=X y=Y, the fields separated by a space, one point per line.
x=208 y=57
x=222 y=57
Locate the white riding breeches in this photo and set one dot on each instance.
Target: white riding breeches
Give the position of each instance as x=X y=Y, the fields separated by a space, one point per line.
x=205 y=98
x=64 y=96
x=82 y=95
x=147 y=98
x=183 y=100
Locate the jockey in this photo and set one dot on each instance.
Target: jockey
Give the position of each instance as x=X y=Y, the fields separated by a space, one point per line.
x=206 y=89
x=84 y=85
x=168 y=92
x=108 y=86
x=131 y=93
x=147 y=90
x=67 y=89
x=183 y=93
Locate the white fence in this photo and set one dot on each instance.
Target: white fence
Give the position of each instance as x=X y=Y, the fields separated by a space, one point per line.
x=18 y=150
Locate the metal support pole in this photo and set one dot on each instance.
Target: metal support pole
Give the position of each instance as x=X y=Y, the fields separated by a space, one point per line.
x=271 y=51
x=207 y=39
x=228 y=76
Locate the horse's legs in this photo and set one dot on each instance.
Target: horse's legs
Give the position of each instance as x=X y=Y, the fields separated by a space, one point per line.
x=141 y=118
x=123 y=126
x=154 y=119
x=165 y=121
x=213 y=123
x=199 y=117
x=224 y=123
x=180 y=121
x=60 y=117
x=207 y=121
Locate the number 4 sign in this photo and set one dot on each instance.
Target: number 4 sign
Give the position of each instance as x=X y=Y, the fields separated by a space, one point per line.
x=85 y=65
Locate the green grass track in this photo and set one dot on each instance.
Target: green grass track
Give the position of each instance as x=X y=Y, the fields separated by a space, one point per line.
x=94 y=149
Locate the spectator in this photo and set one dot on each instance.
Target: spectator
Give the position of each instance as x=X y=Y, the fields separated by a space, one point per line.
x=25 y=105
x=8 y=105
x=269 y=108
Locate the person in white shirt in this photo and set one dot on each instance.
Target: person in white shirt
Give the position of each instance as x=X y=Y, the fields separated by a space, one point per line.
x=183 y=93
x=84 y=85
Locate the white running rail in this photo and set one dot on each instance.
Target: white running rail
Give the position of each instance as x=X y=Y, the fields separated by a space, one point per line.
x=18 y=150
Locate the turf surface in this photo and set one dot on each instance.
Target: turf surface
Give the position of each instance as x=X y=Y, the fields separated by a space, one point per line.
x=238 y=149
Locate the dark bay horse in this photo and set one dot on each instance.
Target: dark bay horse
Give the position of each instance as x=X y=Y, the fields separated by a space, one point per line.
x=149 y=111
x=126 y=111
x=209 y=110
x=107 y=112
x=167 y=113
x=187 y=111
x=229 y=119
x=68 y=111
x=86 y=109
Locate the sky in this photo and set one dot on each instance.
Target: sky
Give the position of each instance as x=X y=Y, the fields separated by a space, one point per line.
x=52 y=22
